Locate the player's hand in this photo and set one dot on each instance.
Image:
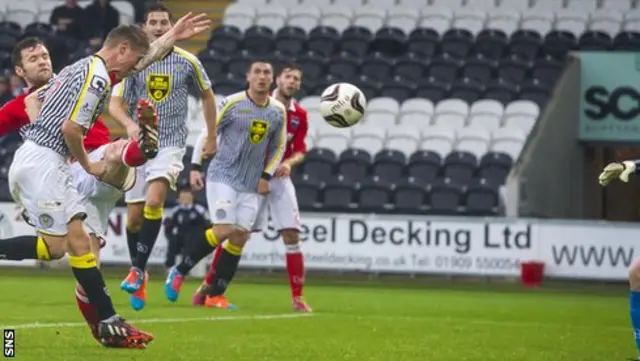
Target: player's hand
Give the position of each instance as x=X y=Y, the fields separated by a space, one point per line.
x=97 y=169
x=191 y=25
x=283 y=170
x=195 y=178
x=612 y=171
x=209 y=148
x=263 y=187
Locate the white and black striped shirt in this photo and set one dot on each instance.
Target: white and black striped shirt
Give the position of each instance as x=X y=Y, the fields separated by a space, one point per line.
x=164 y=83
x=251 y=141
x=78 y=93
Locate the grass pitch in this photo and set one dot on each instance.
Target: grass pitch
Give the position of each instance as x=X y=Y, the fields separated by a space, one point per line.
x=358 y=321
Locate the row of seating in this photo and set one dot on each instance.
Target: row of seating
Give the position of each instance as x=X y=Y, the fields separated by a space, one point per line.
x=411 y=196
x=25 y=12
x=481 y=5
x=473 y=19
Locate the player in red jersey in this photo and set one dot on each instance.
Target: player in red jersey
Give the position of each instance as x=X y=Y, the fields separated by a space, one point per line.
x=33 y=64
x=281 y=202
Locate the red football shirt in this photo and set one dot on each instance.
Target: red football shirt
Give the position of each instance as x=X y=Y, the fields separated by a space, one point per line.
x=297 y=128
x=13 y=116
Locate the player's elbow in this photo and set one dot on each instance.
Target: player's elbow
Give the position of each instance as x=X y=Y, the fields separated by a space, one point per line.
x=69 y=128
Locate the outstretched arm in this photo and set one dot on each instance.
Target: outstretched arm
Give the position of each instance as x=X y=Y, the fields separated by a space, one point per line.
x=185 y=28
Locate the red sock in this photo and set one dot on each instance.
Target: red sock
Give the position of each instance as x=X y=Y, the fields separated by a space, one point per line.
x=295 y=269
x=88 y=310
x=132 y=155
x=212 y=268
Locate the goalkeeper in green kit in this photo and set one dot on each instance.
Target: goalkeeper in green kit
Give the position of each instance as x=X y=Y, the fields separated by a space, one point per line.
x=622 y=171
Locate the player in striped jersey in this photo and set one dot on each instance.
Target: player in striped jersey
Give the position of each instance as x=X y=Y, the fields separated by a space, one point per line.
x=165 y=83
x=282 y=204
x=32 y=63
x=61 y=112
x=252 y=134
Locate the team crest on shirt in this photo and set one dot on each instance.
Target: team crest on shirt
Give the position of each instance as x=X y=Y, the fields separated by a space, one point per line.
x=295 y=122
x=158 y=86
x=258 y=130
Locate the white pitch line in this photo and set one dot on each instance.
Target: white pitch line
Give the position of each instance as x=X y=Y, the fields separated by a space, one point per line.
x=163 y=320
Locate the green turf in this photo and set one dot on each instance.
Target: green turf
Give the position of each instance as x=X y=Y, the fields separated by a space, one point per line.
x=370 y=322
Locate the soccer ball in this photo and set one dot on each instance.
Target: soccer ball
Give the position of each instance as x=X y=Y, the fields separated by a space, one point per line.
x=342 y=105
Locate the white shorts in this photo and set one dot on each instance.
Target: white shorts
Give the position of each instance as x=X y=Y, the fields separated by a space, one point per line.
x=40 y=181
x=167 y=164
x=227 y=206
x=100 y=197
x=282 y=206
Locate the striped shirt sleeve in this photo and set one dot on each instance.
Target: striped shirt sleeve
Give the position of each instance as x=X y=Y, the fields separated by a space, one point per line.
x=196 y=71
x=94 y=83
x=277 y=144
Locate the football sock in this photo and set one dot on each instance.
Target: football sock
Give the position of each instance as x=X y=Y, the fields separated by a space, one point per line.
x=24 y=247
x=225 y=269
x=208 y=279
x=634 y=303
x=85 y=269
x=87 y=309
x=132 y=241
x=295 y=269
x=147 y=237
x=132 y=155
x=197 y=250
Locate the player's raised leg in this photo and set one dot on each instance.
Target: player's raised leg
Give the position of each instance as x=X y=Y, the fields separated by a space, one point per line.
x=221 y=199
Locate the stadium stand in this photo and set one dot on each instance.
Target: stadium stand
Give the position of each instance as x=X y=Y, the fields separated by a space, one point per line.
x=454 y=88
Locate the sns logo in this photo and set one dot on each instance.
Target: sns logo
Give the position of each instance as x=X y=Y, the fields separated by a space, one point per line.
x=9 y=338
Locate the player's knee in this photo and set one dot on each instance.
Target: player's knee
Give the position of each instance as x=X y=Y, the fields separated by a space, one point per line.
x=290 y=236
x=239 y=237
x=134 y=217
x=157 y=194
x=78 y=241
x=222 y=232
x=634 y=275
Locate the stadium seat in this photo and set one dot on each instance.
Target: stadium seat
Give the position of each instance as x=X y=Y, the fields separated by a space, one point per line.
x=304 y=17
x=354 y=164
x=409 y=196
x=481 y=199
x=338 y=194
x=307 y=191
x=373 y=195
x=389 y=165
x=445 y=197
x=290 y=40
x=460 y=166
x=258 y=40
x=424 y=165
x=319 y=163
x=495 y=167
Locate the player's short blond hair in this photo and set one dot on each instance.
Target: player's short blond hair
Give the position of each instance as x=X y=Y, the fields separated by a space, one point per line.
x=133 y=34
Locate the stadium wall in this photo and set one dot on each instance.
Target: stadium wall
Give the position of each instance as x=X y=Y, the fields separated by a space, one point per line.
x=413 y=245
x=546 y=181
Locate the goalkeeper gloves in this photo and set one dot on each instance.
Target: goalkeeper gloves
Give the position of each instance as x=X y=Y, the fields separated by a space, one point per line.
x=621 y=171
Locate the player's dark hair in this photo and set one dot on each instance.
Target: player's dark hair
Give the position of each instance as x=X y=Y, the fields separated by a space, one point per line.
x=289 y=67
x=156 y=8
x=258 y=60
x=26 y=43
x=130 y=33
